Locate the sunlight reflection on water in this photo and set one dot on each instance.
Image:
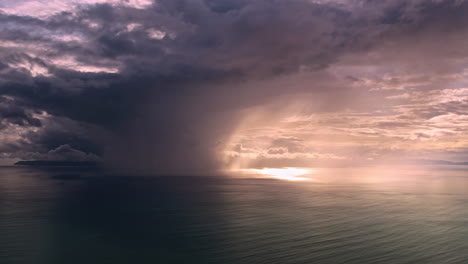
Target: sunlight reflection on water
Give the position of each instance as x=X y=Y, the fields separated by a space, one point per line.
x=288 y=173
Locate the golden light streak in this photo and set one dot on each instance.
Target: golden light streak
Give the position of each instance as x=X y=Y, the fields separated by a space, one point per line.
x=289 y=174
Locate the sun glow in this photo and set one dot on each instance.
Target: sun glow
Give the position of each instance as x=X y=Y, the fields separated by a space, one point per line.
x=290 y=174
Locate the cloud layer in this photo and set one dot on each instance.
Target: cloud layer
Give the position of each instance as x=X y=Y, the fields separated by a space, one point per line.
x=177 y=87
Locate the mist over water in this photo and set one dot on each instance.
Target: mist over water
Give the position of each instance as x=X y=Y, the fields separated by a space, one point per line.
x=83 y=216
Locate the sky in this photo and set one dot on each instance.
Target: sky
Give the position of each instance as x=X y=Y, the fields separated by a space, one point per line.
x=188 y=87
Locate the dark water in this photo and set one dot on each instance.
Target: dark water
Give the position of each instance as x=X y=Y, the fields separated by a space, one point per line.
x=77 y=217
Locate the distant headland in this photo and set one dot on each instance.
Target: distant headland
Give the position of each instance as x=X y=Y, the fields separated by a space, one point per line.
x=56 y=163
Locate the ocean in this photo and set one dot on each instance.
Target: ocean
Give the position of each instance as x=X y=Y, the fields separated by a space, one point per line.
x=80 y=216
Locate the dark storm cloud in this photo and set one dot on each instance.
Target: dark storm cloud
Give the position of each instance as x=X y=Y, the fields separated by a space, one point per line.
x=164 y=85
x=15 y=114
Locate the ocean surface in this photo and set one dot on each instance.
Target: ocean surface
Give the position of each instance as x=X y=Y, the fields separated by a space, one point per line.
x=79 y=216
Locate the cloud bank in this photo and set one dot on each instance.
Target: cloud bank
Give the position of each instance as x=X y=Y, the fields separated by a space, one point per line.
x=191 y=87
